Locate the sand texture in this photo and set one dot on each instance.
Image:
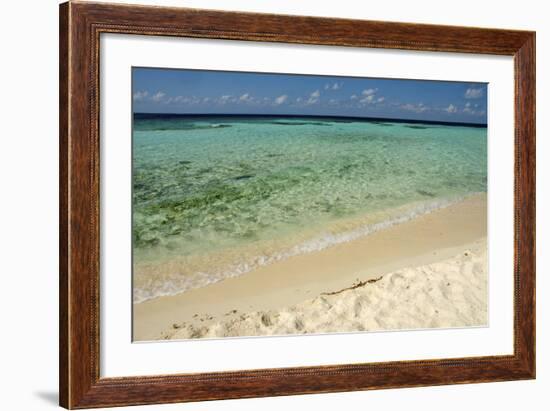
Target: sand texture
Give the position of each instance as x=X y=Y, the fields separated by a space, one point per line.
x=451 y=293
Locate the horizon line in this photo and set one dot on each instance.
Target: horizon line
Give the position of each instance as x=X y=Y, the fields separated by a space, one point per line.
x=389 y=119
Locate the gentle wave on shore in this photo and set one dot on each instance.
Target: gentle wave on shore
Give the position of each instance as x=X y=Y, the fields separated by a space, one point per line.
x=181 y=274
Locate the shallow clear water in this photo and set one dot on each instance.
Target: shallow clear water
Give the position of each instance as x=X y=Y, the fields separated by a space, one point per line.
x=215 y=196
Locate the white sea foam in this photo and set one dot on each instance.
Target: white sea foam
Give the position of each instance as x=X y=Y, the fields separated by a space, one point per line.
x=177 y=283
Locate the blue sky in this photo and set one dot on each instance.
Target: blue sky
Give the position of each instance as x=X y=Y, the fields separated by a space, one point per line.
x=201 y=91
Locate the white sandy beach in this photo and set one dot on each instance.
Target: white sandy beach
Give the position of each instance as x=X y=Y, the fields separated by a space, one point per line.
x=424 y=273
x=451 y=293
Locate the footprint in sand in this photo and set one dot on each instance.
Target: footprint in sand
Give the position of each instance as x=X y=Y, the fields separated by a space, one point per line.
x=266 y=320
x=397 y=280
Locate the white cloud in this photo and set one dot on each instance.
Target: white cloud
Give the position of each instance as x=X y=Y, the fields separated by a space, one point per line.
x=314 y=97
x=473 y=93
x=161 y=97
x=245 y=98
x=417 y=108
x=369 y=91
x=472 y=109
x=225 y=99
x=158 y=96
x=451 y=109
x=299 y=100
x=183 y=100
x=353 y=97
x=369 y=96
x=368 y=99
x=280 y=100
x=333 y=86
x=140 y=95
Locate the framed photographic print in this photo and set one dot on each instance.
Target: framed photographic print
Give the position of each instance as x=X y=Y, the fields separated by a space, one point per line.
x=258 y=205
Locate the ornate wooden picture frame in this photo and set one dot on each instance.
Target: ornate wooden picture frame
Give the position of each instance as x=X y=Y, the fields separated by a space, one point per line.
x=81 y=25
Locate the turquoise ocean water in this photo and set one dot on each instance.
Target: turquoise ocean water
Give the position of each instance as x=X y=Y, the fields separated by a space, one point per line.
x=214 y=197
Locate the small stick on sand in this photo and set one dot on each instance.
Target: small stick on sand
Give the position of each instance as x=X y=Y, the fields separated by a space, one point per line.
x=354 y=286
